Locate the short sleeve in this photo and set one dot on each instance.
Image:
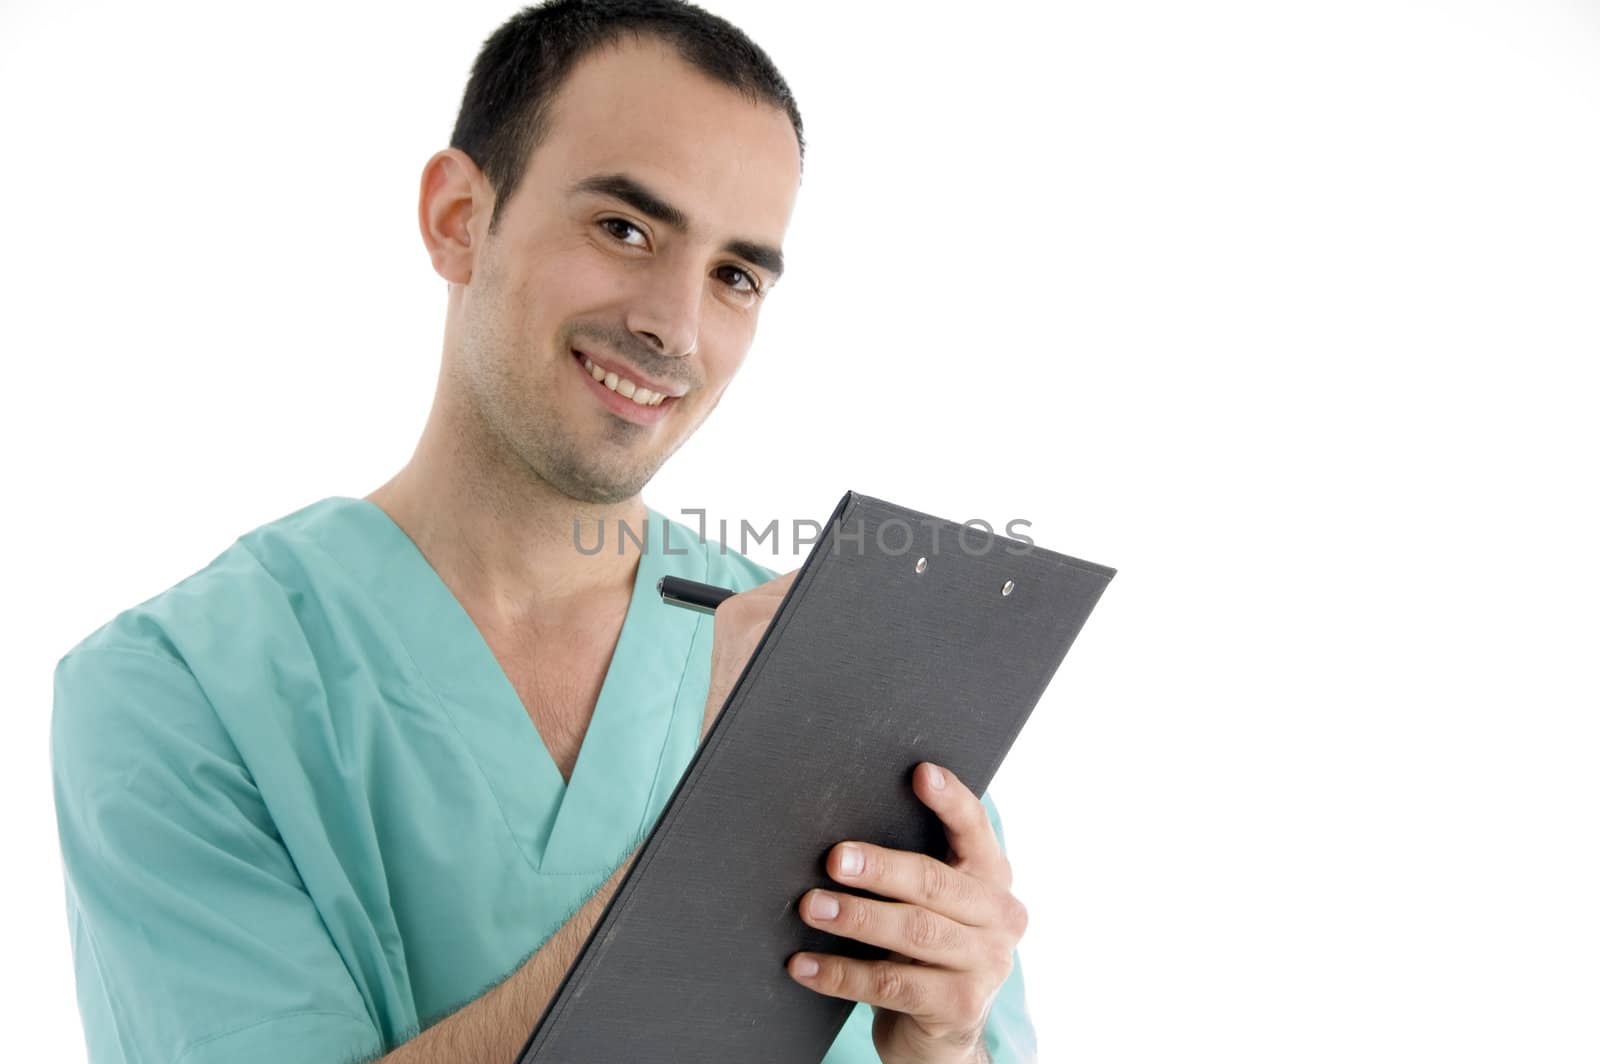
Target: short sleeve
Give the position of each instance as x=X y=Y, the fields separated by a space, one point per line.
x=194 y=940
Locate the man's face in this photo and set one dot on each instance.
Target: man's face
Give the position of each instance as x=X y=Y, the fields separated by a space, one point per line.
x=583 y=265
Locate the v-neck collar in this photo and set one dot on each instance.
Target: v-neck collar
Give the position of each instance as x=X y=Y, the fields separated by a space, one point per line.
x=562 y=828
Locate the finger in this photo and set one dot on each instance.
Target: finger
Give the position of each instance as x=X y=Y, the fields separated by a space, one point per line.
x=973 y=845
x=938 y=1000
x=918 y=933
x=917 y=879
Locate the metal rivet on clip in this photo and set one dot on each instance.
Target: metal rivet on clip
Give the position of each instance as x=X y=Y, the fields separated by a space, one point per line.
x=1006 y=590
x=922 y=564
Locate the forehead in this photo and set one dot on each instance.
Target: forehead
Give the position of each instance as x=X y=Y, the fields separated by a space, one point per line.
x=636 y=107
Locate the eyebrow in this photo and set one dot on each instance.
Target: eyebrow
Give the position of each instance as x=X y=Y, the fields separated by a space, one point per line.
x=646 y=202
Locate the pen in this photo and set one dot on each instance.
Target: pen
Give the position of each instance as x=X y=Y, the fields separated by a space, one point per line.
x=691 y=594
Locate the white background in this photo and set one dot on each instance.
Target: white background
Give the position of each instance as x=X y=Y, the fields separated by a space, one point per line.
x=1287 y=310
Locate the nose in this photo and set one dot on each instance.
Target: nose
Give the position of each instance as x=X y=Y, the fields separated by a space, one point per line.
x=666 y=311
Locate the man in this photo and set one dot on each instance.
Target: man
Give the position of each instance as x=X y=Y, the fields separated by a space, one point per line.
x=363 y=785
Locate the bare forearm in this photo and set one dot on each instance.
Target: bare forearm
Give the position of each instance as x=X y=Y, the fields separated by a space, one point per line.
x=493 y=1028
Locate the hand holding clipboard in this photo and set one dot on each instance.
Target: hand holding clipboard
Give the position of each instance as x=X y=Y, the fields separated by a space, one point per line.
x=876 y=661
x=950 y=925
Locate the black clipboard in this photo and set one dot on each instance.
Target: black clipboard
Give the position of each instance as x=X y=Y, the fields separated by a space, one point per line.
x=904 y=638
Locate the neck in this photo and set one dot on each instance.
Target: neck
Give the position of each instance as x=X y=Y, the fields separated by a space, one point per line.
x=503 y=540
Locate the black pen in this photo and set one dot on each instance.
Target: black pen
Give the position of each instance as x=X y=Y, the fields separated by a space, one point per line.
x=691 y=594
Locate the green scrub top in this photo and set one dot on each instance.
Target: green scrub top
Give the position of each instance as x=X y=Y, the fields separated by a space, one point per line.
x=304 y=814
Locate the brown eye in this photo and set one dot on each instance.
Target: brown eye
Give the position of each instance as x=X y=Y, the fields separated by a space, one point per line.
x=749 y=286
x=619 y=228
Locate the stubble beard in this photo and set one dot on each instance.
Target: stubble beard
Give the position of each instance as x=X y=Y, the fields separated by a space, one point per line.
x=521 y=420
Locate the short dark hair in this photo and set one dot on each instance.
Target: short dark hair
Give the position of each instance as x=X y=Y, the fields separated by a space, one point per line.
x=505 y=111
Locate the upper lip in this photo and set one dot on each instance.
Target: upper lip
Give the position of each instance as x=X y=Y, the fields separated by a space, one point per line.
x=622 y=369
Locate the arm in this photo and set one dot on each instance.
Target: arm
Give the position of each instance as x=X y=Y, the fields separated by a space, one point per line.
x=195 y=938
x=494 y=1027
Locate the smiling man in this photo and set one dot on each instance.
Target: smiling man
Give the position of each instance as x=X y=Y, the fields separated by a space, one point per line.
x=361 y=787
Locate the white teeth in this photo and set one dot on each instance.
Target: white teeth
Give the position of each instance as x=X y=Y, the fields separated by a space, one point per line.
x=621 y=385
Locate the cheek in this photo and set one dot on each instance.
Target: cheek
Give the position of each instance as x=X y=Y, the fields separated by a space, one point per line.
x=725 y=341
x=719 y=372
x=584 y=281
x=574 y=274
x=561 y=281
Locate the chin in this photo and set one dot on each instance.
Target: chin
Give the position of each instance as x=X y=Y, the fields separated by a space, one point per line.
x=605 y=486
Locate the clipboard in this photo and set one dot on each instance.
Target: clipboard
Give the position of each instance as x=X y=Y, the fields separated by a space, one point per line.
x=904 y=638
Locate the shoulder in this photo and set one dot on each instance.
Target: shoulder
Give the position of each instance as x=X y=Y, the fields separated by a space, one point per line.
x=134 y=675
x=222 y=591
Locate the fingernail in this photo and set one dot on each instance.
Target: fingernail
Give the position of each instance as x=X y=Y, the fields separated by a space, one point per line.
x=805 y=966
x=936 y=778
x=850 y=860
x=824 y=906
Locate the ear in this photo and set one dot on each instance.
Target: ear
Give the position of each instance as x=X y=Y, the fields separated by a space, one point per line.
x=453 y=212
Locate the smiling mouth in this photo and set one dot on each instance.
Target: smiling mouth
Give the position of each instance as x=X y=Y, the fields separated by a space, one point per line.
x=621 y=384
